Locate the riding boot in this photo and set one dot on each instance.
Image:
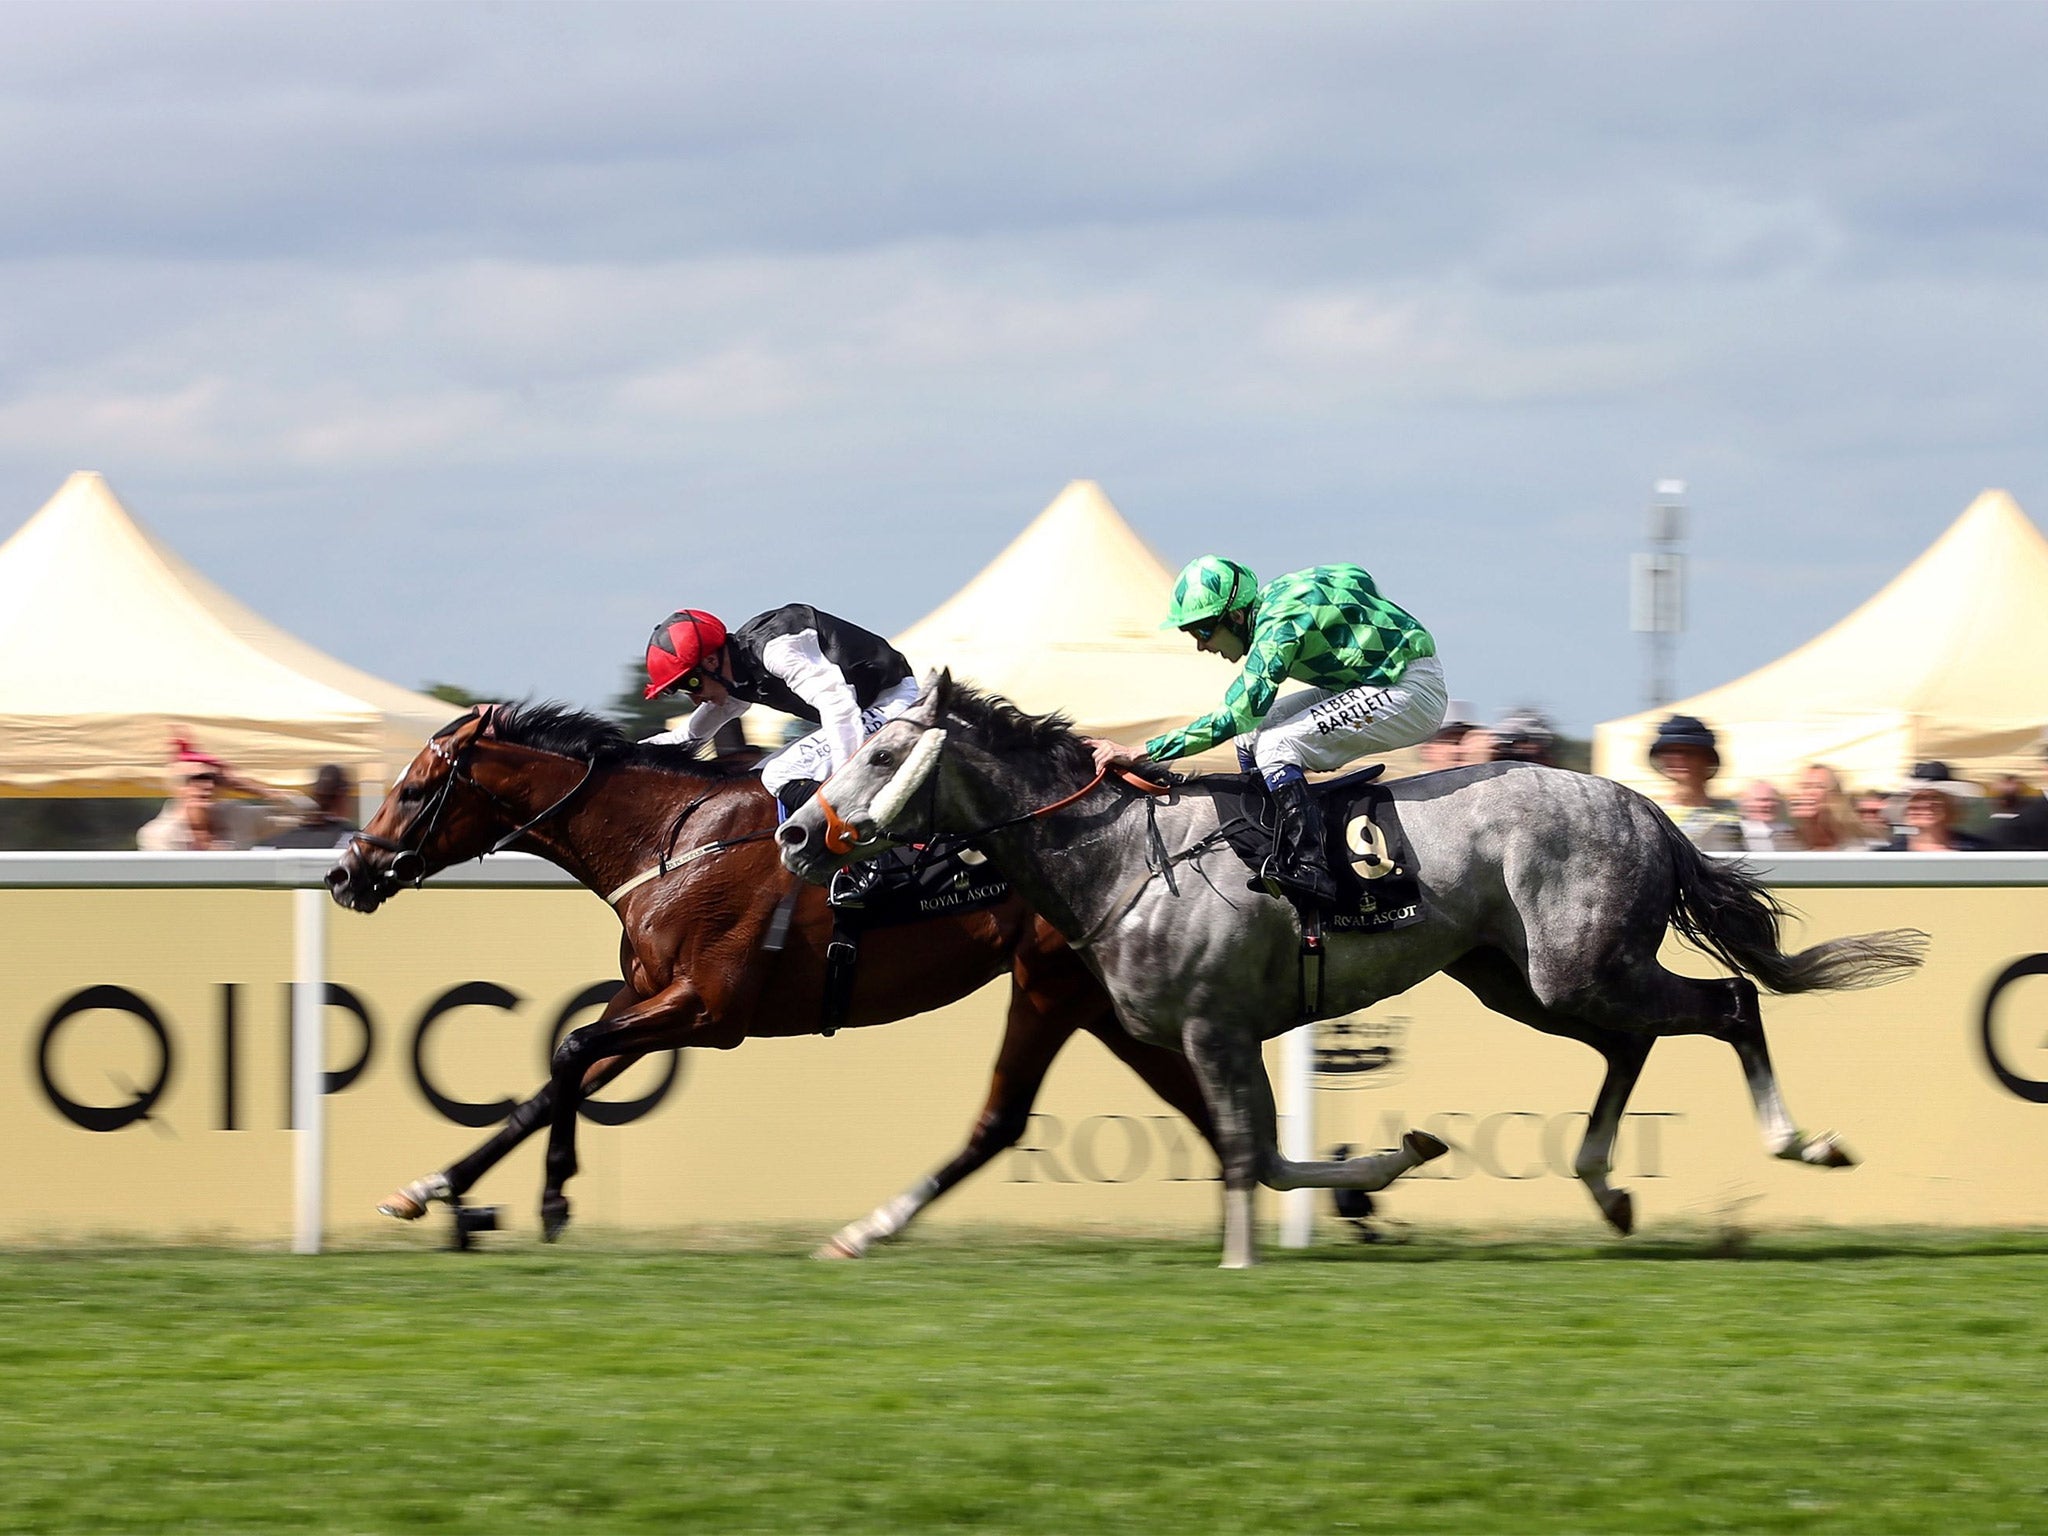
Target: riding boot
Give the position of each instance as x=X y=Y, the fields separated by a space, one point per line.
x=793 y=796
x=1300 y=862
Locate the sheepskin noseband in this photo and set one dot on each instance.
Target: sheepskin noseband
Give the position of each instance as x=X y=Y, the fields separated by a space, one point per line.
x=909 y=779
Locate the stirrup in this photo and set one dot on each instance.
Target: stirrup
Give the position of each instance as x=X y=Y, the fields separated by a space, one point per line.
x=1276 y=878
x=852 y=885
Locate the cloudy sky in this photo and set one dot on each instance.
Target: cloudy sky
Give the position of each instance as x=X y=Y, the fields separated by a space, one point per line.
x=469 y=340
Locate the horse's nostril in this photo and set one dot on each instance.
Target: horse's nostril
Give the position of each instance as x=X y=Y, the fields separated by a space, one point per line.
x=337 y=879
x=792 y=836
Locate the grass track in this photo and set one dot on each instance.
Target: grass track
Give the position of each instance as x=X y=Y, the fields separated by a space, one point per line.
x=1863 y=1384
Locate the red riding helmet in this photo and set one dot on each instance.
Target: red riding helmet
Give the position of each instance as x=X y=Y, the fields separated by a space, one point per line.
x=677 y=648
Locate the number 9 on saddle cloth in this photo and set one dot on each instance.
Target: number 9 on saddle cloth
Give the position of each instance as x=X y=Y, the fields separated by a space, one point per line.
x=1368 y=852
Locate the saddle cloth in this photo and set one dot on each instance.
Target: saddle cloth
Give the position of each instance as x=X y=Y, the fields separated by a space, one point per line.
x=910 y=886
x=1369 y=855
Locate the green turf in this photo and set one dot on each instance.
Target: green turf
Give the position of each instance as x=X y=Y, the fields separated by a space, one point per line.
x=1814 y=1383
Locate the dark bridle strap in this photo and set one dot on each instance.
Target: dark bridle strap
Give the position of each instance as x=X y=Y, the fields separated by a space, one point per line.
x=1135 y=781
x=589 y=768
x=430 y=817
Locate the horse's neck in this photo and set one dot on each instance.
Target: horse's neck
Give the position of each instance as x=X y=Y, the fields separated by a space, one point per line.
x=620 y=822
x=1075 y=865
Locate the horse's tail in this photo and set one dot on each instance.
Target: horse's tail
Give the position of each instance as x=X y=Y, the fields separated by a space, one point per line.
x=1725 y=910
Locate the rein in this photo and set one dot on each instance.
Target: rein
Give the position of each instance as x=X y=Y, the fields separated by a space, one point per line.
x=424 y=824
x=841 y=836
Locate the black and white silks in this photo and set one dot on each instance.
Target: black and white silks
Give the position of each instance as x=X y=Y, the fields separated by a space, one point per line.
x=810 y=664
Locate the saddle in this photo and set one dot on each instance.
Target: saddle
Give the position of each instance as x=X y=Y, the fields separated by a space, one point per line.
x=1369 y=855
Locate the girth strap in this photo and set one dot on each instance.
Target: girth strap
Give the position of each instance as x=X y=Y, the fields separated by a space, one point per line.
x=842 y=959
x=669 y=866
x=1312 y=956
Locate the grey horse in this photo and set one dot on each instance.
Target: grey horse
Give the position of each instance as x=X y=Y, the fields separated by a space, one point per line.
x=1548 y=894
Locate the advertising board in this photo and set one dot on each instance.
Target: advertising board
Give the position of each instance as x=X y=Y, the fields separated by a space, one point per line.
x=144 y=1087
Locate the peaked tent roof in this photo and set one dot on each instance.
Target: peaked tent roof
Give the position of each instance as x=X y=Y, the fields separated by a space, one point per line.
x=1946 y=662
x=110 y=645
x=1067 y=617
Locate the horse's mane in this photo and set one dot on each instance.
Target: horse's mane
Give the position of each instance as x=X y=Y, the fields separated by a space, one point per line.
x=548 y=725
x=994 y=724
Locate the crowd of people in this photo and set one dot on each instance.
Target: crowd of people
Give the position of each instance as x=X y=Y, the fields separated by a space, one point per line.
x=213 y=808
x=1931 y=811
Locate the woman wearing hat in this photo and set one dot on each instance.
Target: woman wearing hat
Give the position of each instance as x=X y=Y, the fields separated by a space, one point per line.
x=1686 y=753
x=1930 y=803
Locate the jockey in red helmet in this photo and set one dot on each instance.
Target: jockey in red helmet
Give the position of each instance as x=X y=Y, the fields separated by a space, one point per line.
x=797 y=659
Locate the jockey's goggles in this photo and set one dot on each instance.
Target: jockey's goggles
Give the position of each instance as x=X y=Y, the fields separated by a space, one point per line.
x=1206 y=630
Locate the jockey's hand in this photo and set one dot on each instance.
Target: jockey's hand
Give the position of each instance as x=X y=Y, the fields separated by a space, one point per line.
x=1113 y=754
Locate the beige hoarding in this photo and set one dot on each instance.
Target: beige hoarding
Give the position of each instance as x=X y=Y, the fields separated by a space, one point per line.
x=143 y=1086
x=1901 y=1072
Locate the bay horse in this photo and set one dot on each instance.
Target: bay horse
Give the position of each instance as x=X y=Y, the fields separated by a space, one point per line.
x=1547 y=893
x=682 y=848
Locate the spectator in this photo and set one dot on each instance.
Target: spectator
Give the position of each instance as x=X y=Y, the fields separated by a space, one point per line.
x=2025 y=827
x=1766 y=826
x=1525 y=736
x=1443 y=749
x=196 y=819
x=327 y=825
x=1823 y=817
x=1686 y=753
x=1874 y=816
x=1929 y=810
x=1446 y=748
x=1475 y=746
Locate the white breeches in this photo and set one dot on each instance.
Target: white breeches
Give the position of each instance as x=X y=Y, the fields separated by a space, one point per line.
x=811 y=757
x=1317 y=730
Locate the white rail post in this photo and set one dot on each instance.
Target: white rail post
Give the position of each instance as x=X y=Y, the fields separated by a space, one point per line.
x=309 y=1066
x=1298 y=1130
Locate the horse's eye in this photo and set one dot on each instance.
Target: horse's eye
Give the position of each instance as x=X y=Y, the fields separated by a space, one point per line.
x=884 y=760
x=410 y=794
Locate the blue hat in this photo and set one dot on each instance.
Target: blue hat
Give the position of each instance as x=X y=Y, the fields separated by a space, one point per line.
x=1686 y=731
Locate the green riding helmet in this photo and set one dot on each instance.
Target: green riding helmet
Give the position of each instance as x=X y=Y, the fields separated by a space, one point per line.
x=1208 y=588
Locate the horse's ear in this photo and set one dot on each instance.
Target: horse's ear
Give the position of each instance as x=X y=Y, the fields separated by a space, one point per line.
x=932 y=701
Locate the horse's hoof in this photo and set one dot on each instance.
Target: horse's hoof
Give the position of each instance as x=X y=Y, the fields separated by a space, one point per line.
x=1619 y=1207
x=836 y=1247
x=410 y=1203
x=1423 y=1147
x=554 y=1215
x=1826 y=1151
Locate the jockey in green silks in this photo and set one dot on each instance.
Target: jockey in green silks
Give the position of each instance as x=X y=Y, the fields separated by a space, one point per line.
x=1374 y=685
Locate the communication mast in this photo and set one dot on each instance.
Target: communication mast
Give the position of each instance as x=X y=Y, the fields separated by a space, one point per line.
x=1657 y=591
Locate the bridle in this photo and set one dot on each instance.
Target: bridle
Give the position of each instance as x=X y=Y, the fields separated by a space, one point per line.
x=408 y=864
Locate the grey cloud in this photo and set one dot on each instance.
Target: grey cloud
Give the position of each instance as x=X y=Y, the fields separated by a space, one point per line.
x=554 y=316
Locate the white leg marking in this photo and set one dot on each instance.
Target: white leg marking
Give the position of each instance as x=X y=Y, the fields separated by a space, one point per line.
x=1370 y=1173
x=853 y=1240
x=411 y=1202
x=1240 y=1249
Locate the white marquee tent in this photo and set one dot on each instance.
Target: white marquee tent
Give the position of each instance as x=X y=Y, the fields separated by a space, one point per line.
x=1948 y=662
x=110 y=645
x=1067 y=617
